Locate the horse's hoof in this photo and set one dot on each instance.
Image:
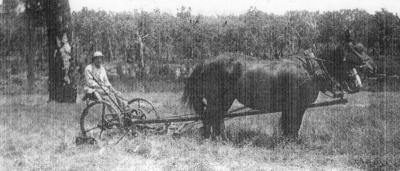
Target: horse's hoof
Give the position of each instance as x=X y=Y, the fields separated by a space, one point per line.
x=85 y=140
x=176 y=135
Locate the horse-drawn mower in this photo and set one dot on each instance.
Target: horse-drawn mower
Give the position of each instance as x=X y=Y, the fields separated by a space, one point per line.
x=105 y=121
x=287 y=86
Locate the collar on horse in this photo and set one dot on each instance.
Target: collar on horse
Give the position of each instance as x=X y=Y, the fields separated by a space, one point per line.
x=316 y=68
x=357 y=50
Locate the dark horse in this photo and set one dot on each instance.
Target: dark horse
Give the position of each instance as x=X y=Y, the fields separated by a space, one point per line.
x=288 y=85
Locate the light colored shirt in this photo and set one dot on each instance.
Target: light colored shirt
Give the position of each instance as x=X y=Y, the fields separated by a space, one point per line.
x=92 y=73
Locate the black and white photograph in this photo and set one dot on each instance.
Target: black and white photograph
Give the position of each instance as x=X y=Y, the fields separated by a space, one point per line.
x=199 y=85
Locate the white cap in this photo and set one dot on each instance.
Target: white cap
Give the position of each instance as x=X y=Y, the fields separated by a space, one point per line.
x=98 y=54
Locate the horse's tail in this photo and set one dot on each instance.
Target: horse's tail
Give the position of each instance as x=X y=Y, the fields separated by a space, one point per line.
x=193 y=90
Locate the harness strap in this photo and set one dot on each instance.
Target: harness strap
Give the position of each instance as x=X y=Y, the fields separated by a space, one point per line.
x=310 y=64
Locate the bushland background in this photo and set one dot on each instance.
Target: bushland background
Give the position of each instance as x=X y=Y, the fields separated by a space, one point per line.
x=172 y=43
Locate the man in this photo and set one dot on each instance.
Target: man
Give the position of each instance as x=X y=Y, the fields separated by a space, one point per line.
x=97 y=82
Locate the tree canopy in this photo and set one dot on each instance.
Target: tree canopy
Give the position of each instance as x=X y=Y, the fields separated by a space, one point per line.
x=169 y=37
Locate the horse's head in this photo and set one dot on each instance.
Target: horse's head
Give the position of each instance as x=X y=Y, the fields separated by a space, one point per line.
x=345 y=64
x=367 y=66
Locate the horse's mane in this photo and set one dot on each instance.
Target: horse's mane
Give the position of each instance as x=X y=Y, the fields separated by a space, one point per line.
x=225 y=62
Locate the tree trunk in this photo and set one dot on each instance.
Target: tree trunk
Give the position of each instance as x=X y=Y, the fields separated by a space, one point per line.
x=127 y=49
x=44 y=50
x=140 y=51
x=110 y=49
x=76 y=49
x=159 y=45
x=29 y=56
x=9 y=40
x=62 y=85
x=140 y=55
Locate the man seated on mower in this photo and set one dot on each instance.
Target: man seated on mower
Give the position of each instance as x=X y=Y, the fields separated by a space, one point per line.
x=98 y=86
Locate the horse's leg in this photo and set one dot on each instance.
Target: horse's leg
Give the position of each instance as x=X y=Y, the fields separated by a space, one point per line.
x=200 y=109
x=219 y=129
x=297 y=123
x=291 y=120
x=218 y=103
x=219 y=124
x=206 y=129
x=211 y=119
x=211 y=116
x=293 y=108
x=207 y=122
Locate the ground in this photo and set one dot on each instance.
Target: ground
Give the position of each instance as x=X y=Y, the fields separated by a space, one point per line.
x=363 y=134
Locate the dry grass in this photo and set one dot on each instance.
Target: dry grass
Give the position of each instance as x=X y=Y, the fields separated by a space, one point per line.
x=363 y=134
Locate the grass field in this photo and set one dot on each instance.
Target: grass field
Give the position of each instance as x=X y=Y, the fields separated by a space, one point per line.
x=363 y=134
